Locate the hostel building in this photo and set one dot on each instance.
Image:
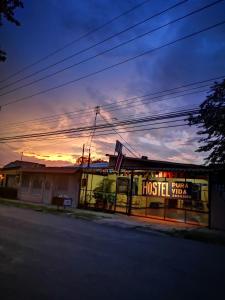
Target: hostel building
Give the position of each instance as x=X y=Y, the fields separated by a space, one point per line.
x=149 y=188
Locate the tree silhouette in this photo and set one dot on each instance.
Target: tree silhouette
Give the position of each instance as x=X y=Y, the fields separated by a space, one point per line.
x=83 y=160
x=211 y=122
x=7 y=8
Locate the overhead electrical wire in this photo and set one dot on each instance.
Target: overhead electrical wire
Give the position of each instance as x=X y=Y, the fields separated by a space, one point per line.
x=107 y=50
x=89 y=110
x=174 y=114
x=55 y=117
x=116 y=64
x=150 y=100
x=132 y=151
x=97 y=44
x=143 y=116
x=108 y=133
x=72 y=135
x=76 y=40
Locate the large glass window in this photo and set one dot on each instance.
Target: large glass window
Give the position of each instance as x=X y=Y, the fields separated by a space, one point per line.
x=98 y=191
x=169 y=195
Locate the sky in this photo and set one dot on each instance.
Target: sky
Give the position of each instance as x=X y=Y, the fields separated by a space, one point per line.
x=47 y=26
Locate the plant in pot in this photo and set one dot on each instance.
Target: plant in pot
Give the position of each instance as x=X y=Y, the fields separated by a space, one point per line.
x=103 y=195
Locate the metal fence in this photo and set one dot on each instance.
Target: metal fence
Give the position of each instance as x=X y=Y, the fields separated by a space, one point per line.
x=179 y=210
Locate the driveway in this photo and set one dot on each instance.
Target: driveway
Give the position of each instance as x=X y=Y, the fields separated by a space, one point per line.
x=43 y=256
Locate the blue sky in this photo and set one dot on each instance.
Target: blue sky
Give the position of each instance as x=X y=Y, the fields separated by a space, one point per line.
x=49 y=25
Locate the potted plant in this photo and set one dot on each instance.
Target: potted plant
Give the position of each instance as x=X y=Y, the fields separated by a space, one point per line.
x=103 y=195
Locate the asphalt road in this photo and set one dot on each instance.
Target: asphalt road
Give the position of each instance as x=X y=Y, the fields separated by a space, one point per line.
x=44 y=256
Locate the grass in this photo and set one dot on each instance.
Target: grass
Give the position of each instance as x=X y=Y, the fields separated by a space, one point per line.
x=51 y=209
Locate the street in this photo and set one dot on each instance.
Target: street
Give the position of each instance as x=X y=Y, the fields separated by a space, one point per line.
x=44 y=256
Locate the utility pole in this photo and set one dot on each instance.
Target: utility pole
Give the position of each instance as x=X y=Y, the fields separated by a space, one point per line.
x=82 y=157
x=21 y=158
x=97 y=111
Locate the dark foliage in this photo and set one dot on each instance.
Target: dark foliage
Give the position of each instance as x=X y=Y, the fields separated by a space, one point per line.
x=7 y=8
x=211 y=122
x=2 y=55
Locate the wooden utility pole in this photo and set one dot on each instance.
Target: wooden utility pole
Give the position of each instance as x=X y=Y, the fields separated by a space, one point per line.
x=82 y=157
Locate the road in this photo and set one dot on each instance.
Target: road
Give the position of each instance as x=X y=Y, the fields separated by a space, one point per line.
x=45 y=256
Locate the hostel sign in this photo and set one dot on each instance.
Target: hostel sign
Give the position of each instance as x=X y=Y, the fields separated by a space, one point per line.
x=181 y=190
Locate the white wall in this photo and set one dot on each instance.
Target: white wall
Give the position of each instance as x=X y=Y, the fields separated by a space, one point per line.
x=51 y=185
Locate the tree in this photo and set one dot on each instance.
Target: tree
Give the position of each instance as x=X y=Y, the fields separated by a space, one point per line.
x=211 y=122
x=83 y=160
x=7 y=8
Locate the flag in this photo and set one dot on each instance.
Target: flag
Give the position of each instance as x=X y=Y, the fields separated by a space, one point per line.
x=118 y=162
x=119 y=147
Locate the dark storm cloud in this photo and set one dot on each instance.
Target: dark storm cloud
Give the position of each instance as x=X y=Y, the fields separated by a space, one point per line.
x=87 y=15
x=193 y=59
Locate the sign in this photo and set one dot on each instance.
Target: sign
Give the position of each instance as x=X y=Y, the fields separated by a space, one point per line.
x=118 y=147
x=67 y=202
x=181 y=190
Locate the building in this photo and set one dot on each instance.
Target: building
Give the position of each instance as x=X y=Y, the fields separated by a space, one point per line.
x=40 y=184
x=11 y=172
x=149 y=188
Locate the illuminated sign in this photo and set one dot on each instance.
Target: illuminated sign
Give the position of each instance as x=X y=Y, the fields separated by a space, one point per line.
x=155 y=188
x=182 y=190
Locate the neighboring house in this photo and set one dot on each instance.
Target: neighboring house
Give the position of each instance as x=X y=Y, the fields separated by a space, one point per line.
x=37 y=183
x=10 y=173
x=43 y=184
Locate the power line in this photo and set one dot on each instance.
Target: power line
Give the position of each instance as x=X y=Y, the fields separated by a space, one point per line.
x=89 y=110
x=153 y=101
x=103 y=52
x=146 y=101
x=114 y=65
x=118 y=107
x=133 y=153
x=111 y=133
x=77 y=40
x=97 y=112
x=93 y=46
x=170 y=115
x=159 y=116
x=74 y=135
